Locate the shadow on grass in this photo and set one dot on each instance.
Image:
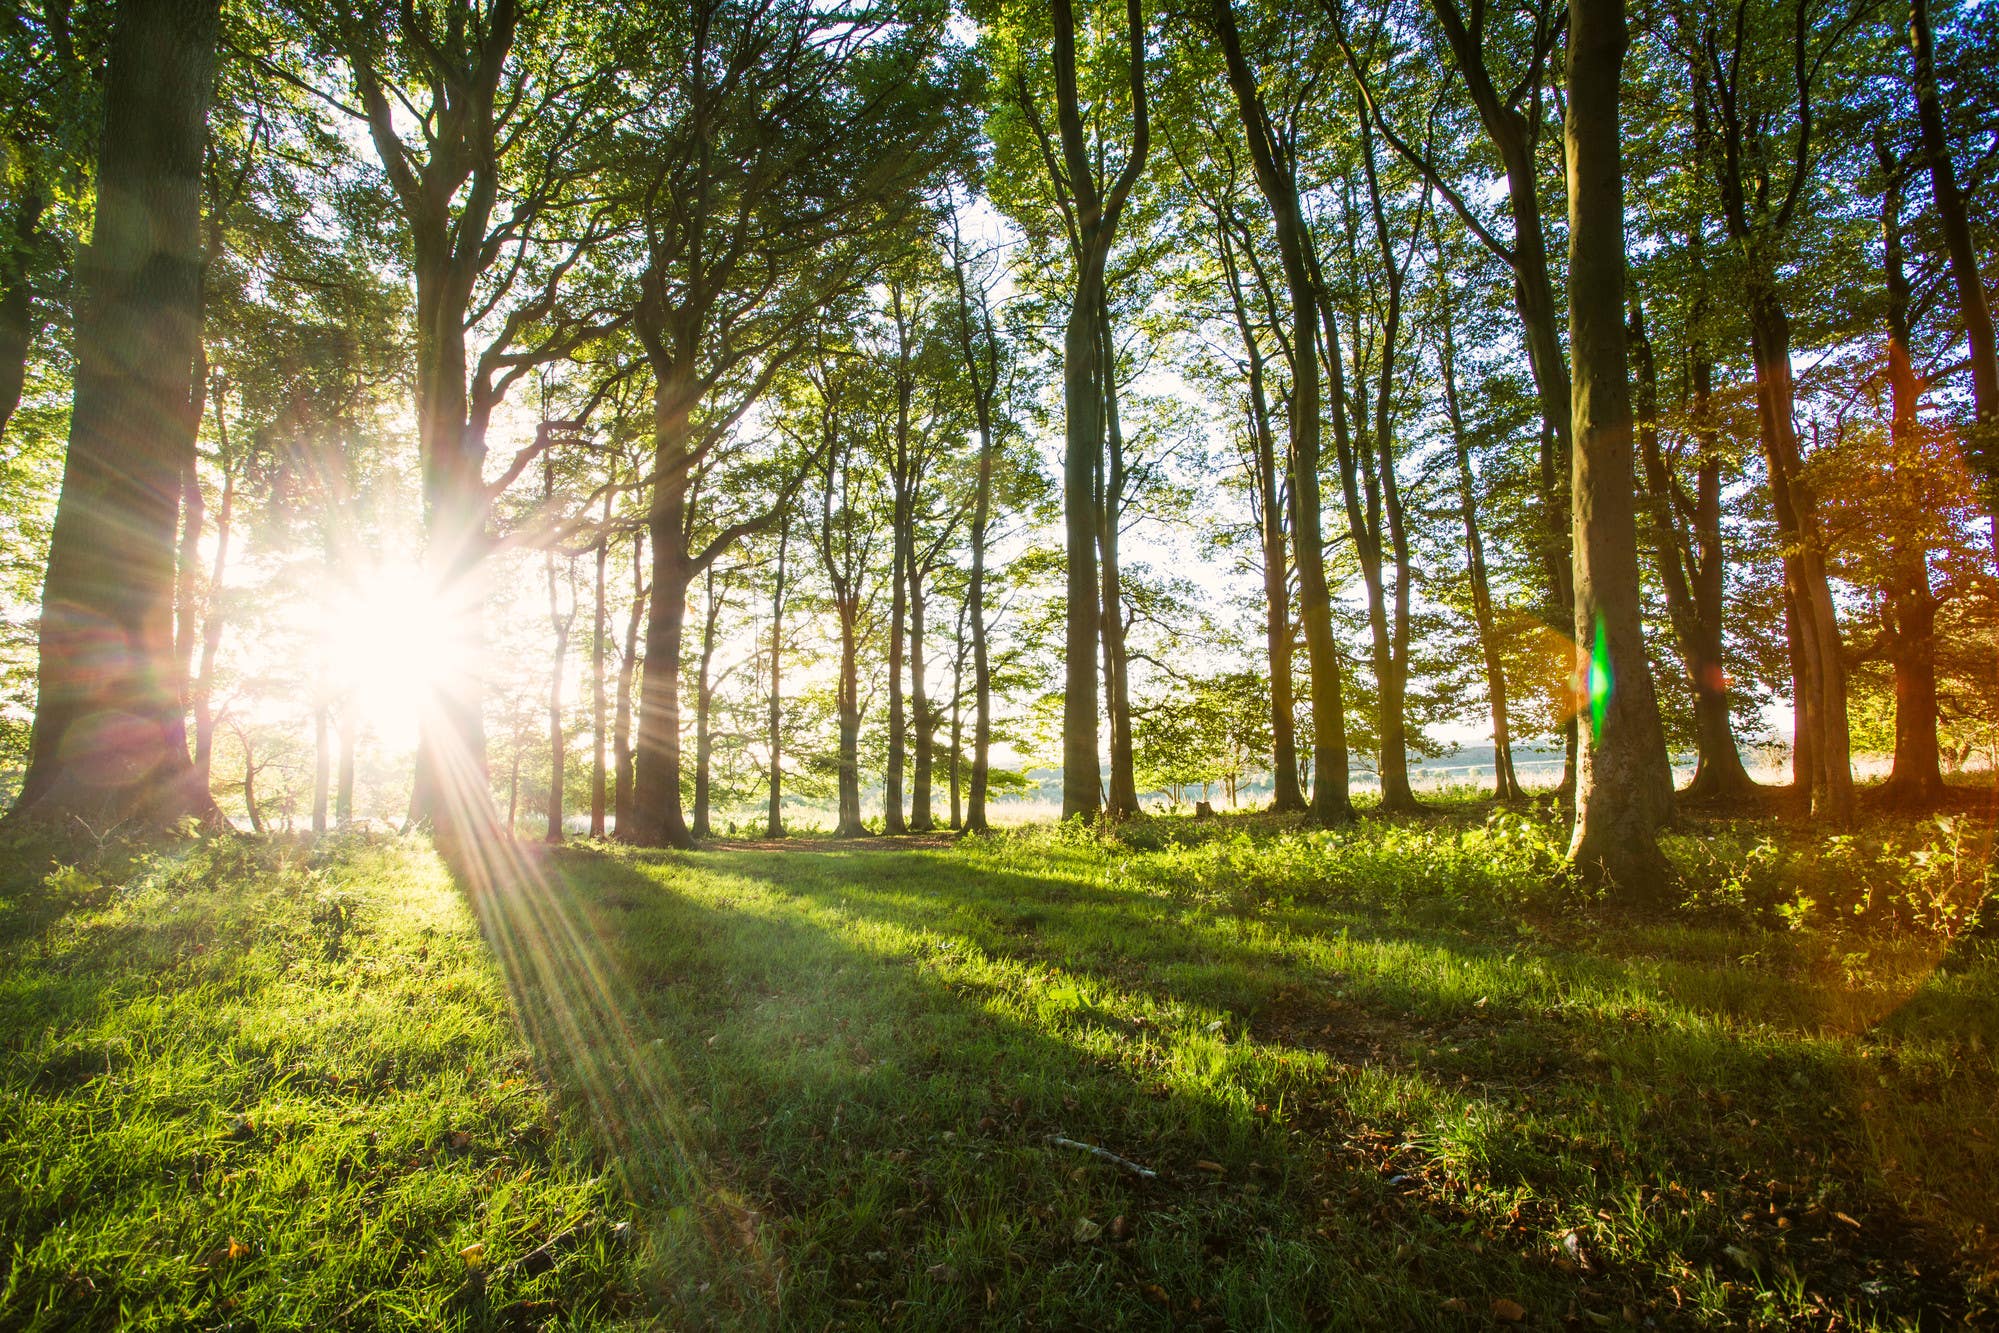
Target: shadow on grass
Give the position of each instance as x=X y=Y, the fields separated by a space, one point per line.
x=830 y=1080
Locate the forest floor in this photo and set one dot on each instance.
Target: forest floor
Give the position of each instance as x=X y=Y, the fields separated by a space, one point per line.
x=1393 y=1077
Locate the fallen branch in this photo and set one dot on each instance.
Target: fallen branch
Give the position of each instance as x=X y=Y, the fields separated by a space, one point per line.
x=1144 y=1172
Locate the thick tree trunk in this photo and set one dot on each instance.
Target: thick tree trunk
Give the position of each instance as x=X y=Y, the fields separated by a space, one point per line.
x=1624 y=786
x=1696 y=617
x=1331 y=803
x=109 y=741
x=658 y=817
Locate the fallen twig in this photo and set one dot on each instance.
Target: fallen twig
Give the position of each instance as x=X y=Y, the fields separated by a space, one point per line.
x=1144 y=1172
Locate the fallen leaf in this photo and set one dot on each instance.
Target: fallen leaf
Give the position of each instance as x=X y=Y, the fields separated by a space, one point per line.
x=474 y=1253
x=1213 y=1168
x=1456 y=1306
x=1120 y=1227
x=1848 y=1220
x=458 y=1140
x=1087 y=1231
x=944 y=1274
x=1508 y=1312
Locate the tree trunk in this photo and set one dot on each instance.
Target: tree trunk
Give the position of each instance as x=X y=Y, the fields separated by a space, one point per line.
x=1696 y=617
x=1916 y=780
x=1123 y=794
x=599 y=703
x=1982 y=443
x=851 y=825
x=622 y=761
x=1821 y=668
x=1330 y=800
x=343 y=791
x=322 y=764
x=1624 y=786
x=1506 y=783
x=1271 y=483
x=704 y=702
x=250 y=808
x=984 y=374
x=109 y=745
x=774 y=823
x=1096 y=219
x=958 y=722
x=213 y=623
x=923 y=739
x=658 y=817
x=18 y=324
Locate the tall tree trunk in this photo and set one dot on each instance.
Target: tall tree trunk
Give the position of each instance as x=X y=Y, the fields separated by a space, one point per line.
x=250 y=807
x=214 y=618
x=1624 y=786
x=110 y=744
x=1287 y=797
x=984 y=374
x=1916 y=780
x=18 y=324
x=704 y=703
x=1095 y=222
x=849 y=708
x=558 y=748
x=1687 y=562
x=958 y=722
x=343 y=790
x=1122 y=797
x=774 y=823
x=1982 y=444
x=1331 y=803
x=1515 y=134
x=599 y=702
x=923 y=737
x=658 y=817
x=623 y=768
x=1506 y=783
x=322 y=764
x=1821 y=667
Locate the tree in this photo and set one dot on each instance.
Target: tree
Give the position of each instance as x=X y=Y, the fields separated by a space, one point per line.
x=1623 y=787
x=109 y=741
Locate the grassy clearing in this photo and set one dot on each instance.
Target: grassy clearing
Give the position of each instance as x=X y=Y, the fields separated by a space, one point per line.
x=1392 y=1077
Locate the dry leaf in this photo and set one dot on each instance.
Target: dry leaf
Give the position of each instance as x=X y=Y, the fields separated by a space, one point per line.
x=1456 y=1306
x=1120 y=1227
x=1214 y=1168
x=1508 y=1312
x=1086 y=1230
x=472 y=1254
x=458 y=1140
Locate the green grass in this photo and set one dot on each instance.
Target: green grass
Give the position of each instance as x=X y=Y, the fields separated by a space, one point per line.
x=1398 y=1076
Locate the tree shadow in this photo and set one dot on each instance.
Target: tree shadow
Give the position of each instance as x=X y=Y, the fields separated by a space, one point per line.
x=830 y=1082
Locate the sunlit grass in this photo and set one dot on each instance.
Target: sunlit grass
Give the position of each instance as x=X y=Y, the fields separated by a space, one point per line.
x=1384 y=1078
